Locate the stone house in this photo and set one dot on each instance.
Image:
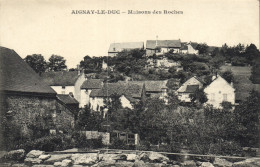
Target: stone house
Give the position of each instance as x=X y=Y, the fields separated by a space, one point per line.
x=27 y=103
x=86 y=88
x=115 y=48
x=190 y=86
x=128 y=93
x=219 y=91
x=65 y=82
x=189 y=48
x=162 y=46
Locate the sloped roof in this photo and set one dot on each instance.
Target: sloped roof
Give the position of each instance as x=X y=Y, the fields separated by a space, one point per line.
x=119 y=88
x=67 y=99
x=60 y=78
x=17 y=76
x=152 y=86
x=118 y=47
x=191 y=88
x=194 y=44
x=184 y=46
x=151 y=44
x=92 y=84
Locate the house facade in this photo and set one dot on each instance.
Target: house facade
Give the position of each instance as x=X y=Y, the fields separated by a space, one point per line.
x=189 y=48
x=219 y=91
x=26 y=101
x=115 y=48
x=190 y=86
x=128 y=94
x=162 y=46
x=86 y=88
x=65 y=82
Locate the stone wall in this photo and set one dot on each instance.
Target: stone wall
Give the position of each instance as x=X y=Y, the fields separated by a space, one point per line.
x=31 y=116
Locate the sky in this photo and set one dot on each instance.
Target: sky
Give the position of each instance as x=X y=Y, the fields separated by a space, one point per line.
x=48 y=27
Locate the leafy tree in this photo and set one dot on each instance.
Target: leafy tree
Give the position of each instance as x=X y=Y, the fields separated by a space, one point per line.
x=57 y=63
x=199 y=95
x=37 y=62
x=255 y=71
x=203 y=48
x=251 y=52
x=248 y=116
x=228 y=76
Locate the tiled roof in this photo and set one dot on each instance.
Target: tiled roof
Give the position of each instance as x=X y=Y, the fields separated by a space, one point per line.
x=60 y=78
x=92 y=84
x=151 y=44
x=67 y=99
x=191 y=88
x=184 y=46
x=120 y=88
x=118 y=47
x=152 y=86
x=17 y=76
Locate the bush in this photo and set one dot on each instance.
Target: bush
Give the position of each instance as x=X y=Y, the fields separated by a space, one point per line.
x=82 y=142
x=47 y=143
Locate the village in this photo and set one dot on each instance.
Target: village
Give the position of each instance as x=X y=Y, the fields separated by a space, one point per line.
x=164 y=95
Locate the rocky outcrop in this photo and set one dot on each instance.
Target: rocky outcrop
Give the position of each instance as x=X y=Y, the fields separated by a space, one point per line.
x=251 y=162
x=36 y=157
x=14 y=155
x=218 y=162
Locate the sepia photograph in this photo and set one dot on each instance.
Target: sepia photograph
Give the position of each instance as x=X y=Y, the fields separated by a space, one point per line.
x=116 y=83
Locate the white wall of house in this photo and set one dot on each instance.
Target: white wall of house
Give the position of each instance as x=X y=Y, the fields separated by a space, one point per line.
x=185 y=97
x=219 y=91
x=84 y=97
x=112 y=54
x=64 y=90
x=125 y=102
x=78 y=84
x=191 y=50
x=97 y=102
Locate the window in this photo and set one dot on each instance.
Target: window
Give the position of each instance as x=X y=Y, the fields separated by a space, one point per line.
x=224 y=97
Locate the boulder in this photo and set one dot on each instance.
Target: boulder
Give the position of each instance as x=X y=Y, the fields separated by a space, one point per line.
x=144 y=157
x=124 y=164
x=131 y=157
x=57 y=164
x=19 y=165
x=157 y=157
x=218 y=162
x=34 y=154
x=57 y=158
x=41 y=165
x=147 y=164
x=108 y=163
x=31 y=161
x=66 y=162
x=189 y=163
x=44 y=157
x=112 y=157
x=14 y=155
x=251 y=162
x=84 y=159
x=206 y=164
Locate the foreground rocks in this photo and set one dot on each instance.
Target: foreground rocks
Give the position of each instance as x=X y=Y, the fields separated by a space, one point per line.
x=37 y=158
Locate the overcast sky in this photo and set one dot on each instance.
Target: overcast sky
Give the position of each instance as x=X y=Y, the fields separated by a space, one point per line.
x=48 y=27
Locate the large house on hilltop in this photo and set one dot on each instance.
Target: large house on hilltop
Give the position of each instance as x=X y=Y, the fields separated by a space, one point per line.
x=189 y=48
x=86 y=88
x=219 y=91
x=189 y=87
x=128 y=93
x=162 y=46
x=65 y=82
x=25 y=99
x=115 y=48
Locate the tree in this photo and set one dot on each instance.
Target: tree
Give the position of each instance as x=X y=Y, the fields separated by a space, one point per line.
x=202 y=48
x=228 y=76
x=57 y=63
x=248 y=116
x=37 y=62
x=251 y=53
x=199 y=95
